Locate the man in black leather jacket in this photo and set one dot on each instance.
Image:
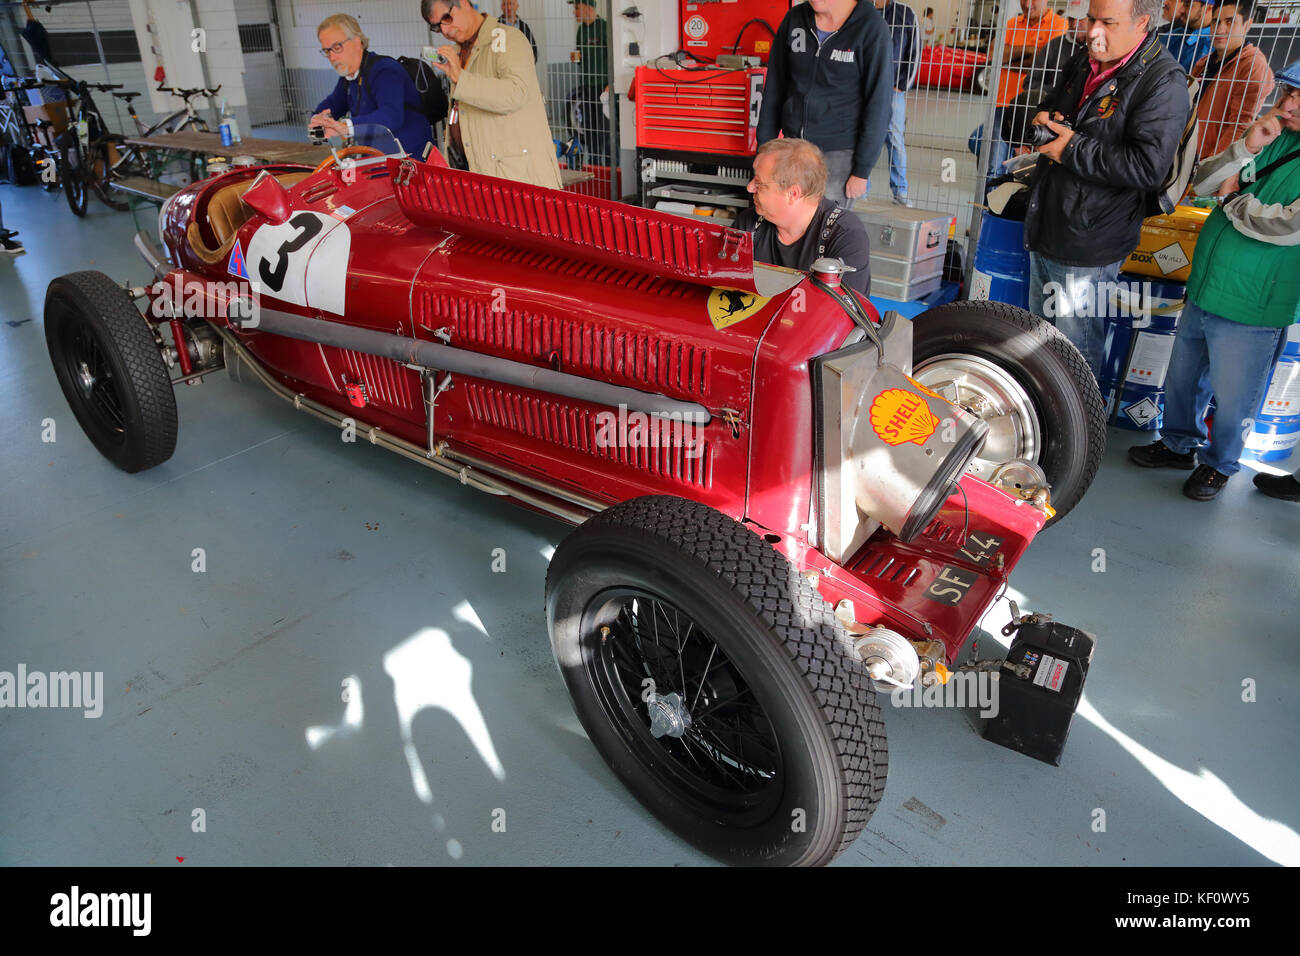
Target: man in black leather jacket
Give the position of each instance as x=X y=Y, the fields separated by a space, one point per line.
x=1126 y=104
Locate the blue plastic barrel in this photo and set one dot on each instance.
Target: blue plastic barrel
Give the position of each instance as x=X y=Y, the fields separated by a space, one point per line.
x=1001 y=271
x=1277 y=423
x=1137 y=349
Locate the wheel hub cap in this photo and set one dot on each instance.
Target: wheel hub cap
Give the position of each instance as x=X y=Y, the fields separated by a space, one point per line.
x=996 y=397
x=668 y=716
x=85 y=376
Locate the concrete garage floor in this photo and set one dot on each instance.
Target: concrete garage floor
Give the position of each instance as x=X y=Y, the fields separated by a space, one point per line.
x=330 y=565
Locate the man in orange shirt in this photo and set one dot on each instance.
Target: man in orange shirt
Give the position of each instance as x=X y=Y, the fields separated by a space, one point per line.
x=1026 y=35
x=1235 y=79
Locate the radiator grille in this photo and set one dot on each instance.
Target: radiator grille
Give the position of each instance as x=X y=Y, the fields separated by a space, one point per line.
x=643 y=282
x=645 y=361
x=938 y=531
x=664 y=452
x=387 y=382
x=884 y=567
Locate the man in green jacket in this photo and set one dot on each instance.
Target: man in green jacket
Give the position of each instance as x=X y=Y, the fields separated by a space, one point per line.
x=592 y=57
x=1243 y=292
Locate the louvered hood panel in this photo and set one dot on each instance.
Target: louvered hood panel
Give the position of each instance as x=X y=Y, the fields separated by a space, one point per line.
x=624 y=327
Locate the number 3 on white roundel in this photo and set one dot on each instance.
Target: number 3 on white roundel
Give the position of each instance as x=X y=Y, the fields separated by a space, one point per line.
x=303 y=261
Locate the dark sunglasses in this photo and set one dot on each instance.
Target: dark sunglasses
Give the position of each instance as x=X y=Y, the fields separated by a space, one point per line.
x=437 y=25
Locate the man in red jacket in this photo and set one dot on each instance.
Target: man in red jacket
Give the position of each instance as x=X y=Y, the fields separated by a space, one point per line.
x=1235 y=79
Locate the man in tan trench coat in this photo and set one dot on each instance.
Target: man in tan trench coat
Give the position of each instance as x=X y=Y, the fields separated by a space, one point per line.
x=497 y=123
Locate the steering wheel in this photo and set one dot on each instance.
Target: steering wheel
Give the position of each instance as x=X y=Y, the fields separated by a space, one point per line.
x=344 y=153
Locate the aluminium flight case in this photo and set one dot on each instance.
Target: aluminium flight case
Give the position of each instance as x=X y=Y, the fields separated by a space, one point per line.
x=907 y=247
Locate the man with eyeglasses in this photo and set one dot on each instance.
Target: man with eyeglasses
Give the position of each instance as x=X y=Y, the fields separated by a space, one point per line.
x=372 y=89
x=1242 y=295
x=497 y=122
x=793 y=221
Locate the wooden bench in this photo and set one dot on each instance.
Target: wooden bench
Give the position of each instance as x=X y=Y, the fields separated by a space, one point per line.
x=145 y=188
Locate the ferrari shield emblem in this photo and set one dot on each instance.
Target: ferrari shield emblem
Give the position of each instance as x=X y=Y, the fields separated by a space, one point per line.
x=236 y=266
x=729 y=306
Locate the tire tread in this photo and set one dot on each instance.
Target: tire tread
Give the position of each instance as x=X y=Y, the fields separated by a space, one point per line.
x=130 y=335
x=805 y=625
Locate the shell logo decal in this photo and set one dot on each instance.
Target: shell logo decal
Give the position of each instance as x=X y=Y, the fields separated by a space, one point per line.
x=729 y=306
x=900 y=416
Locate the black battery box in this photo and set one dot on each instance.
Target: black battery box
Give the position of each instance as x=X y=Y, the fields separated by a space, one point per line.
x=1039 y=689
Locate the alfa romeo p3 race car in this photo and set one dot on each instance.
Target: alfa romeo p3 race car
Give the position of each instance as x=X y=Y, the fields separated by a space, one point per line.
x=783 y=502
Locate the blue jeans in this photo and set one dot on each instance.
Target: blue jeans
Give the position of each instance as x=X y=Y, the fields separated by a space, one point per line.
x=894 y=144
x=1214 y=355
x=1069 y=298
x=1000 y=150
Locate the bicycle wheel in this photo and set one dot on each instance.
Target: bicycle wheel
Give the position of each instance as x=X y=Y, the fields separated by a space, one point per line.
x=104 y=171
x=74 y=175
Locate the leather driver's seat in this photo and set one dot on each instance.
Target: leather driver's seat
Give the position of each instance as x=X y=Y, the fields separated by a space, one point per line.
x=225 y=213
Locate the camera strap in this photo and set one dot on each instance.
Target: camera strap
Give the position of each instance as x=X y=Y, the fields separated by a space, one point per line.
x=826 y=230
x=1280 y=161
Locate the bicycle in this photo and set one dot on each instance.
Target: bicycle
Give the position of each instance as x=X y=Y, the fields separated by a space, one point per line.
x=149 y=163
x=96 y=157
x=86 y=159
x=27 y=144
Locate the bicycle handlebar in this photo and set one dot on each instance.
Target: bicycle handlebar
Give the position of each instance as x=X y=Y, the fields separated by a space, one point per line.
x=186 y=94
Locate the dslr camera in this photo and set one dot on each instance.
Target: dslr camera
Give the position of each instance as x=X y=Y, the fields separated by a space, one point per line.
x=1042 y=135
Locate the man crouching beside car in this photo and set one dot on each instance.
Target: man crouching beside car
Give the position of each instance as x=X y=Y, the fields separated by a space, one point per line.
x=793 y=222
x=1118 y=113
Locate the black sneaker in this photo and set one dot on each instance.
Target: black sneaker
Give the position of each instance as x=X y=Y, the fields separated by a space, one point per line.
x=1205 y=483
x=11 y=247
x=1278 y=486
x=1160 y=455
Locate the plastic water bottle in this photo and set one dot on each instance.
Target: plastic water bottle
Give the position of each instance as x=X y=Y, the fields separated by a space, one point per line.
x=226 y=122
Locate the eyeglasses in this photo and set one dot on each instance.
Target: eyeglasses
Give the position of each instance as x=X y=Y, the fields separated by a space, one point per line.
x=444 y=20
x=760 y=183
x=335 y=49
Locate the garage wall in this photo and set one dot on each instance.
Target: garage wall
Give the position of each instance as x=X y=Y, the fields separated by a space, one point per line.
x=73 y=25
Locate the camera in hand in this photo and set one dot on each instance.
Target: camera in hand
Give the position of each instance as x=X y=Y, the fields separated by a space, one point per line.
x=1045 y=134
x=317 y=134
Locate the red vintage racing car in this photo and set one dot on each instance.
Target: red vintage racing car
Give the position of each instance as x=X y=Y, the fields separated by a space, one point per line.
x=783 y=502
x=953 y=68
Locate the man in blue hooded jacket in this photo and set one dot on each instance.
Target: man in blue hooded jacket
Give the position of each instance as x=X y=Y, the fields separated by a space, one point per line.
x=829 y=80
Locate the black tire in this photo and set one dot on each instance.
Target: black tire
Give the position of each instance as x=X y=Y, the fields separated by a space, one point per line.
x=806 y=758
x=1067 y=408
x=109 y=367
x=101 y=152
x=75 y=176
